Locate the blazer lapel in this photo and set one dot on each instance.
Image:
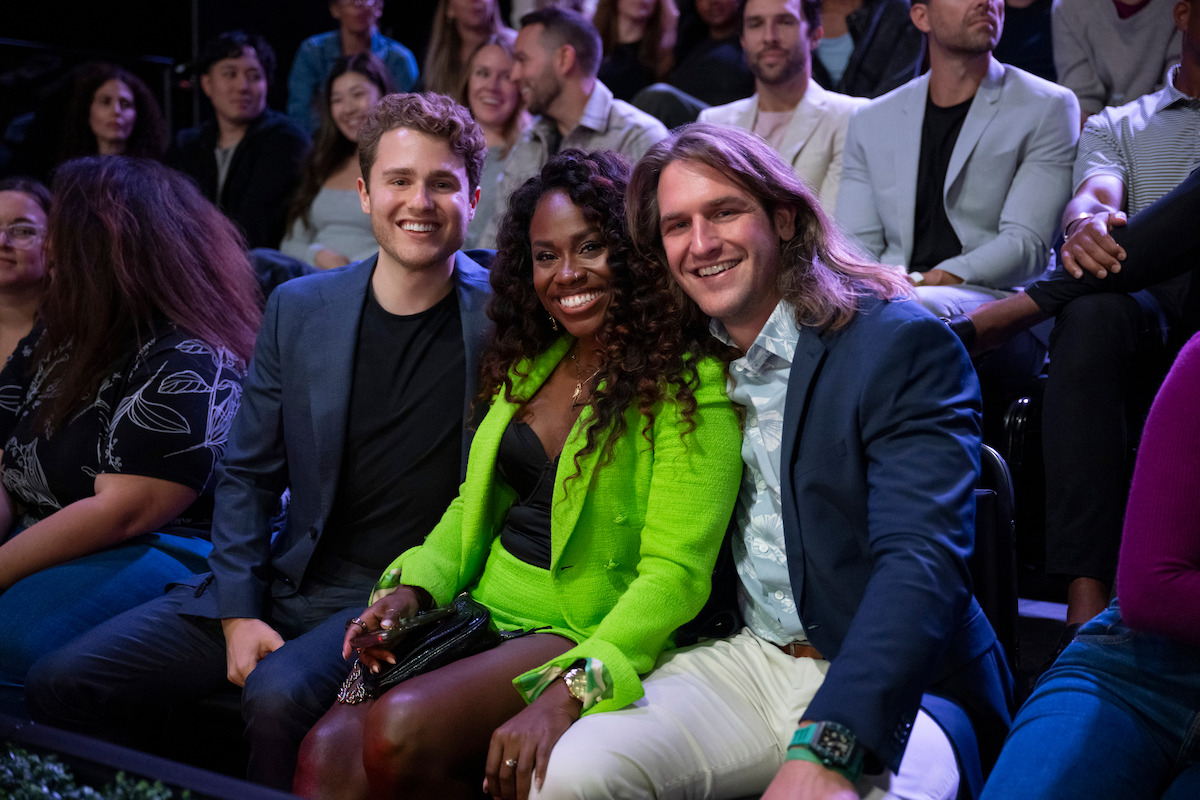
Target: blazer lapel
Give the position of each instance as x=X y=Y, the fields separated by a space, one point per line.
x=980 y=115
x=329 y=336
x=906 y=141
x=804 y=121
x=806 y=364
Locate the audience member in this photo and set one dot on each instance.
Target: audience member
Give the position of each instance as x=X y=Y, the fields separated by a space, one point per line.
x=870 y=47
x=959 y=177
x=639 y=43
x=1027 y=41
x=24 y=209
x=1113 y=51
x=618 y=414
x=1128 y=158
x=803 y=122
x=111 y=112
x=356 y=400
x=247 y=160
x=710 y=69
x=326 y=224
x=1114 y=716
x=357 y=32
x=459 y=28
x=495 y=103
x=117 y=407
x=853 y=523
x=557 y=55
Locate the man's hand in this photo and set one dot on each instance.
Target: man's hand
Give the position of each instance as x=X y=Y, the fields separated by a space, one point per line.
x=247 y=641
x=1091 y=246
x=939 y=277
x=804 y=780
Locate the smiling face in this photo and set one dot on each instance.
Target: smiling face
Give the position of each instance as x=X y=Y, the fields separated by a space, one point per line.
x=570 y=266
x=418 y=200
x=967 y=27
x=22 y=264
x=777 y=40
x=237 y=88
x=722 y=247
x=112 y=116
x=533 y=70
x=491 y=93
x=350 y=95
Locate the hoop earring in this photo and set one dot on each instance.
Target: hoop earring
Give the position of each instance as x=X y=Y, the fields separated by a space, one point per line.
x=553 y=322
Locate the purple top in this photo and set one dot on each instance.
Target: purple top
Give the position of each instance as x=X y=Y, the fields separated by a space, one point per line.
x=1158 y=577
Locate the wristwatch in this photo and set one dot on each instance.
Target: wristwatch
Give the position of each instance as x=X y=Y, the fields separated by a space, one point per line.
x=576 y=680
x=830 y=744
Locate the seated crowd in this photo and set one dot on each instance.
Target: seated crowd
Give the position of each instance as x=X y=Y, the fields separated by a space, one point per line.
x=622 y=318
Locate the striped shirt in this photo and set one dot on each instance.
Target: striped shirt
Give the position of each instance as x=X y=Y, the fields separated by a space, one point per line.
x=1151 y=144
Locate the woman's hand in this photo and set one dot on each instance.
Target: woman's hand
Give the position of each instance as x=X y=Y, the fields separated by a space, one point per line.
x=528 y=739
x=403 y=603
x=329 y=259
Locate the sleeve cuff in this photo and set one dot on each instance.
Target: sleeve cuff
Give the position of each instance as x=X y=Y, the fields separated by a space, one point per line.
x=599 y=683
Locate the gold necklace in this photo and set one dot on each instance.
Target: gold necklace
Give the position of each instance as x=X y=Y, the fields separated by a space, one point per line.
x=575 y=401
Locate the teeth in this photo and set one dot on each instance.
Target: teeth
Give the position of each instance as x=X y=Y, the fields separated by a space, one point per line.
x=577 y=300
x=418 y=227
x=716 y=269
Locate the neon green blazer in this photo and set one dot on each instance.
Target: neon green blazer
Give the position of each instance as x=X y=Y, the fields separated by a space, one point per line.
x=633 y=542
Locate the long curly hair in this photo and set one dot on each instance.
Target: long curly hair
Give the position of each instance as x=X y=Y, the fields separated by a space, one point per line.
x=650 y=346
x=331 y=149
x=149 y=136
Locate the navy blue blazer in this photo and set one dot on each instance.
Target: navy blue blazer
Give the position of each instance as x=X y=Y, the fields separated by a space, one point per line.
x=290 y=432
x=881 y=440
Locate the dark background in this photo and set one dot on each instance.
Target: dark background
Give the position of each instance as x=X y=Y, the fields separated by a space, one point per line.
x=41 y=40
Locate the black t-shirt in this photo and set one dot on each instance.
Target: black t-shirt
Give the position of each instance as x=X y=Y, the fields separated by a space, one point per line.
x=934 y=240
x=623 y=72
x=403 y=453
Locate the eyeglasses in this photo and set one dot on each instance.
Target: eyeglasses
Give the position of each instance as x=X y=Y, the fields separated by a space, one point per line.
x=21 y=234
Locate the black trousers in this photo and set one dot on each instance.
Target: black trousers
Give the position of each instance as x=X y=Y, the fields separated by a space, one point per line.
x=1108 y=353
x=120 y=680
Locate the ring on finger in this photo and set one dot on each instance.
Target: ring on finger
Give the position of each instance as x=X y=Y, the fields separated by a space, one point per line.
x=357 y=621
x=511 y=763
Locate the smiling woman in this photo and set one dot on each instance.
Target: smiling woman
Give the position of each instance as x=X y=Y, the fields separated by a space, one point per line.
x=599 y=482
x=326 y=226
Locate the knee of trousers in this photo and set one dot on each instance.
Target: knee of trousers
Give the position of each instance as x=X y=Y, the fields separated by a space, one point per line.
x=275 y=697
x=1092 y=326
x=54 y=692
x=580 y=768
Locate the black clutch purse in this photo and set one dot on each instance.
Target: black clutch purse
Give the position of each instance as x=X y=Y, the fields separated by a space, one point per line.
x=422 y=643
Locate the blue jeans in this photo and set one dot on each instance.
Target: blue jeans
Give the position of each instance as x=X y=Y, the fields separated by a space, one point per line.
x=50 y=608
x=1118 y=715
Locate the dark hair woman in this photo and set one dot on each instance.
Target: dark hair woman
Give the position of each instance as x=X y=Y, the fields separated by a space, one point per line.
x=600 y=481
x=115 y=410
x=639 y=43
x=326 y=226
x=24 y=208
x=111 y=112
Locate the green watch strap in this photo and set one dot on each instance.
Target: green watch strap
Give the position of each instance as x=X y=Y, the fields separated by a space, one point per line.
x=799 y=750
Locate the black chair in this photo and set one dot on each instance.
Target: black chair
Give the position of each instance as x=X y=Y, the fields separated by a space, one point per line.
x=994 y=564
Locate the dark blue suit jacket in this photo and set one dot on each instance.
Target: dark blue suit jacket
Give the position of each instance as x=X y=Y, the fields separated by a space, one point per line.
x=880 y=459
x=290 y=431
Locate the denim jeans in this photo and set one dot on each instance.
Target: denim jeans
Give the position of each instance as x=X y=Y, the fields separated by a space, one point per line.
x=1118 y=715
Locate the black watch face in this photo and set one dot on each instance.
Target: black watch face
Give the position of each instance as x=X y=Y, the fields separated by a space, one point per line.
x=835 y=744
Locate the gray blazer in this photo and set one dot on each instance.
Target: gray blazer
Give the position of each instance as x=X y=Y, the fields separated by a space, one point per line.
x=290 y=432
x=1008 y=180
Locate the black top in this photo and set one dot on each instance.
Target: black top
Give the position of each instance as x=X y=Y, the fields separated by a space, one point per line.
x=934 y=240
x=402 y=458
x=1026 y=41
x=714 y=70
x=263 y=173
x=162 y=411
x=522 y=463
x=623 y=73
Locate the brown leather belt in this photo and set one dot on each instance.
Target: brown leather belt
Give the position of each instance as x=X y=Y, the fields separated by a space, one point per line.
x=801 y=650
